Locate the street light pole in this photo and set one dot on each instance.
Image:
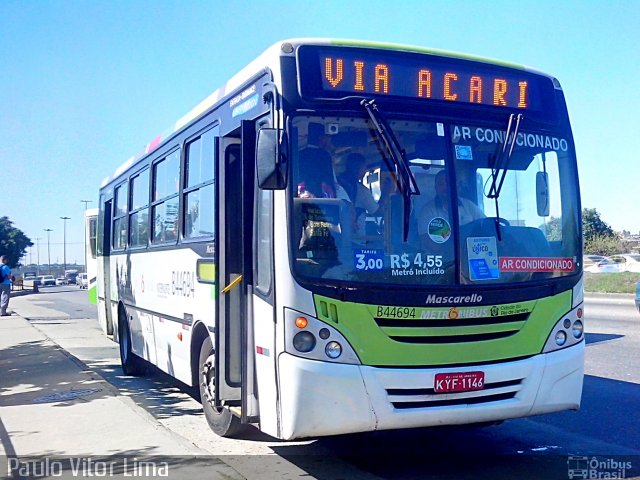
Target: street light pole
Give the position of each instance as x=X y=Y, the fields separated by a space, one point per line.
x=48 y=230
x=64 y=243
x=38 y=257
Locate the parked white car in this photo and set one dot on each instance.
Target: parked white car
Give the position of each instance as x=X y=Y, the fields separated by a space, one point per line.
x=589 y=260
x=48 y=280
x=631 y=261
x=627 y=262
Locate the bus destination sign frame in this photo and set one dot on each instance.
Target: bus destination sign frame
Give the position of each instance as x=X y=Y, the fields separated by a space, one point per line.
x=334 y=73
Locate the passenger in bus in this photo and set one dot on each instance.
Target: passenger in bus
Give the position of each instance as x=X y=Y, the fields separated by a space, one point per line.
x=351 y=189
x=440 y=207
x=315 y=175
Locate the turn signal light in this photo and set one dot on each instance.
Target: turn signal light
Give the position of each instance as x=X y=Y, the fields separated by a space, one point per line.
x=302 y=322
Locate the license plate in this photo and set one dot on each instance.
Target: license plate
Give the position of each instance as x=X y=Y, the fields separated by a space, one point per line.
x=458 y=382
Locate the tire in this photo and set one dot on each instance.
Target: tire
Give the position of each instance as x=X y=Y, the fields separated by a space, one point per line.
x=132 y=365
x=220 y=420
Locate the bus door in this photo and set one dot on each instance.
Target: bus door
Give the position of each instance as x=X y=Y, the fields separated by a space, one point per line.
x=234 y=371
x=104 y=289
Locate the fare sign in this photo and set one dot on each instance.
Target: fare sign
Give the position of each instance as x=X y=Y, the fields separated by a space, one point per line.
x=458 y=382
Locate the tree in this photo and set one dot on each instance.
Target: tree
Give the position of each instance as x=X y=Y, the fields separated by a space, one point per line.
x=605 y=245
x=593 y=226
x=552 y=229
x=13 y=242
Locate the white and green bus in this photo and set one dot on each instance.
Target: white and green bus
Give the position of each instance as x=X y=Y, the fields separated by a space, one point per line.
x=90 y=253
x=354 y=236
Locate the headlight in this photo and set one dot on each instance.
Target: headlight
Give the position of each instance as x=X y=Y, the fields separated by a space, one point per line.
x=304 y=341
x=567 y=332
x=313 y=339
x=577 y=329
x=333 y=350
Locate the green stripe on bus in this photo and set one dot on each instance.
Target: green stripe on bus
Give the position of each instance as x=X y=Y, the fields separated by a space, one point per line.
x=372 y=342
x=93 y=295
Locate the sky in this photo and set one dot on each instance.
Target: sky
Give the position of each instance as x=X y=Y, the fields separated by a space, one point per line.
x=84 y=85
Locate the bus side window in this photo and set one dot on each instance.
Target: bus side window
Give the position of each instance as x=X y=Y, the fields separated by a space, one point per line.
x=165 y=199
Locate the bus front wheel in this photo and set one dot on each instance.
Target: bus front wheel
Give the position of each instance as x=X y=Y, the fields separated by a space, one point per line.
x=220 y=419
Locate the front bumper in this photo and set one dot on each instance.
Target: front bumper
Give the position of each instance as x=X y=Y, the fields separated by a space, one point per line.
x=327 y=398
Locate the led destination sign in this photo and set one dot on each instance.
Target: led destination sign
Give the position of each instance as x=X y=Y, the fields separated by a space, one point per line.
x=343 y=72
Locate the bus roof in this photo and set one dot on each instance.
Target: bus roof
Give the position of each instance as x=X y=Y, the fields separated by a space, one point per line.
x=268 y=59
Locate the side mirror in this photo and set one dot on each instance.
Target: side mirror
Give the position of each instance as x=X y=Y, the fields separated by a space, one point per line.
x=270 y=160
x=542 y=194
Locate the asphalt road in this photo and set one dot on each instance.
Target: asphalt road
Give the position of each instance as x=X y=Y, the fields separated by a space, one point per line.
x=607 y=428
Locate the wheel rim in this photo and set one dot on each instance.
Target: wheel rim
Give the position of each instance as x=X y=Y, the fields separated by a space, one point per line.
x=207 y=379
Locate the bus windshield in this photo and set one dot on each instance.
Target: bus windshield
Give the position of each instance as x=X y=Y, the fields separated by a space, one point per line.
x=349 y=212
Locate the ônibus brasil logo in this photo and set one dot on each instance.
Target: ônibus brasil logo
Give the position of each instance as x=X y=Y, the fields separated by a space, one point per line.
x=438 y=299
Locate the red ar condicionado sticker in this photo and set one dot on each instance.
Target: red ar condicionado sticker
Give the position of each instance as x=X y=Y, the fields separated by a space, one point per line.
x=536 y=264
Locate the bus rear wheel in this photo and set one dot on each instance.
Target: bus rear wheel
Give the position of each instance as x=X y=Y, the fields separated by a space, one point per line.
x=220 y=419
x=132 y=365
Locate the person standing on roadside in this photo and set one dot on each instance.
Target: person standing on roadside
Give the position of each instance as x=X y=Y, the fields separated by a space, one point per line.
x=5 y=285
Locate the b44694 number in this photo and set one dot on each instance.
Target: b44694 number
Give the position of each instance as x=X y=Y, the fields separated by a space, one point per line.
x=396 y=312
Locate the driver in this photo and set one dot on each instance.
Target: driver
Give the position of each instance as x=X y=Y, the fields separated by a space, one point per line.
x=440 y=208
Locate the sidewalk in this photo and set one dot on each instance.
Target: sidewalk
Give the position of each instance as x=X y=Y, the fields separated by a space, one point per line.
x=52 y=406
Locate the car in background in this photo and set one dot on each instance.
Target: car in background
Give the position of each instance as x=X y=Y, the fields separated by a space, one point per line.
x=61 y=281
x=624 y=262
x=82 y=280
x=48 y=280
x=630 y=261
x=604 y=266
x=588 y=260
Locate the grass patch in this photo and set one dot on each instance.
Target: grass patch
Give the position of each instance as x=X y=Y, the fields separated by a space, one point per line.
x=623 y=282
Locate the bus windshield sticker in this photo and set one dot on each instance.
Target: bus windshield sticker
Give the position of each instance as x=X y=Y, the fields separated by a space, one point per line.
x=368 y=260
x=496 y=136
x=536 y=264
x=416 y=264
x=440 y=129
x=483 y=258
x=439 y=230
x=464 y=152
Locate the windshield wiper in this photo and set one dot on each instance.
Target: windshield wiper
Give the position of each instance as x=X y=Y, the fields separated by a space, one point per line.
x=399 y=165
x=502 y=157
x=501 y=164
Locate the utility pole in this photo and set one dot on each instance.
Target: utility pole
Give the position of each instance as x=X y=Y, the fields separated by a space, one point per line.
x=64 y=243
x=38 y=257
x=48 y=230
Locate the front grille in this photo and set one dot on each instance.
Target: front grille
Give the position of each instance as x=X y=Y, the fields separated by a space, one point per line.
x=407 y=398
x=454 y=401
x=458 y=330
